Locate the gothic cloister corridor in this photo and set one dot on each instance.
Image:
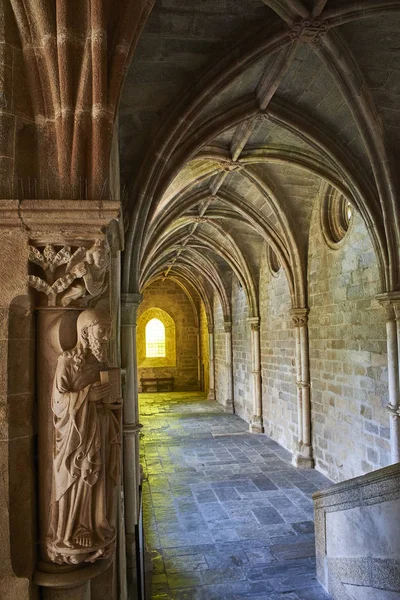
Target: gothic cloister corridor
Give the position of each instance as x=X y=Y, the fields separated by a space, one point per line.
x=226 y=514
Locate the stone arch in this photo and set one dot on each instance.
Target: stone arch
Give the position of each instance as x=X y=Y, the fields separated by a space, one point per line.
x=169 y=360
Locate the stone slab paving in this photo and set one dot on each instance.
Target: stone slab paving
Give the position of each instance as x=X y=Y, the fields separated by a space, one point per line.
x=226 y=514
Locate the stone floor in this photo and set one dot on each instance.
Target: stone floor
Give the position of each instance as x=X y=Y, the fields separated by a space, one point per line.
x=226 y=515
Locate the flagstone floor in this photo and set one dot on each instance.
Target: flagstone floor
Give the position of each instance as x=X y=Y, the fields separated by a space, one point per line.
x=226 y=514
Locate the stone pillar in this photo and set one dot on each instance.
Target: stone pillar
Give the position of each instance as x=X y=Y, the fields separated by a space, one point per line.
x=198 y=346
x=70 y=271
x=131 y=429
x=256 y=425
x=391 y=303
x=17 y=410
x=303 y=457
x=229 y=405
x=211 y=391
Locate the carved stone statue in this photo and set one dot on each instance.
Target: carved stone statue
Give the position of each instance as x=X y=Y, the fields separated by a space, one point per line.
x=90 y=265
x=86 y=448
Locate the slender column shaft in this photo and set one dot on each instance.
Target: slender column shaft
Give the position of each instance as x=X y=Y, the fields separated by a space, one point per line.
x=228 y=365
x=391 y=302
x=131 y=427
x=211 y=392
x=305 y=378
x=299 y=386
x=303 y=456
x=198 y=345
x=256 y=425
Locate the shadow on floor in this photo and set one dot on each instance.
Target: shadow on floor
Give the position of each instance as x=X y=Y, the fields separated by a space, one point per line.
x=226 y=514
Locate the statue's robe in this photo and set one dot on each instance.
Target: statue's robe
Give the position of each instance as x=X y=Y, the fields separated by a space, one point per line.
x=86 y=460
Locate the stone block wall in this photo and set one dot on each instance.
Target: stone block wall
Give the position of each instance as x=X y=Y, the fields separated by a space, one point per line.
x=348 y=355
x=278 y=368
x=219 y=351
x=168 y=296
x=204 y=349
x=241 y=346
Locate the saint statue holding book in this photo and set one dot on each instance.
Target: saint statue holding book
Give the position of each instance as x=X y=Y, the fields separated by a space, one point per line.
x=86 y=415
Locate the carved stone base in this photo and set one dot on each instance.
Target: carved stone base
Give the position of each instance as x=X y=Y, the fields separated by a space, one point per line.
x=228 y=406
x=211 y=395
x=74 y=556
x=303 y=459
x=256 y=425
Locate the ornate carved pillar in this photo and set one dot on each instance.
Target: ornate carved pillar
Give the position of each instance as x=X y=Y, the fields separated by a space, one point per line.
x=256 y=425
x=131 y=428
x=79 y=398
x=391 y=303
x=303 y=457
x=228 y=365
x=211 y=391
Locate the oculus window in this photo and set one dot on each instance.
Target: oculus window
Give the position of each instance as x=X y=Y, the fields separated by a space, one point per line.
x=155 y=339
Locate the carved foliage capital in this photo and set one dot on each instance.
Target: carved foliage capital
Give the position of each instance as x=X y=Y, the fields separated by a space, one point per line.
x=391 y=303
x=71 y=276
x=299 y=316
x=254 y=323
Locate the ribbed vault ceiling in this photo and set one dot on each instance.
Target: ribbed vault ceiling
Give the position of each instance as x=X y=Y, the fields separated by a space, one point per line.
x=236 y=115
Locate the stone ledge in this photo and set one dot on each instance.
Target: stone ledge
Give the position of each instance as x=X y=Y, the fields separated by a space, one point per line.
x=383 y=483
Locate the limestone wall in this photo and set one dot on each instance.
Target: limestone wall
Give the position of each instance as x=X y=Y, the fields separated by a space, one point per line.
x=241 y=346
x=348 y=355
x=169 y=297
x=278 y=370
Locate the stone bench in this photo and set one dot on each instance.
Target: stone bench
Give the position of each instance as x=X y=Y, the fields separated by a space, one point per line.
x=157 y=384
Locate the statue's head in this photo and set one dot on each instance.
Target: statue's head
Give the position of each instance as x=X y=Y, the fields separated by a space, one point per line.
x=94 y=331
x=98 y=254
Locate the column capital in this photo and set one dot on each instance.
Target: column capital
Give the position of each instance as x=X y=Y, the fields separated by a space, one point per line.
x=299 y=316
x=210 y=329
x=228 y=326
x=254 y=323
x=129 y=306
x=391 y=303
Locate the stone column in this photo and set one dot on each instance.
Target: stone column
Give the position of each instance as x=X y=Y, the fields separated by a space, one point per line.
x=229 y=405
x=131 y=429
x=256 y=425
x=198 y=346
x=70 y=271
x=391 y=303
x=211 y=391
x=303 y=457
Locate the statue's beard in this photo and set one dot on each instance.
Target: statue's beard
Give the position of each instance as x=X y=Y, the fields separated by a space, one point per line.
x=98 y=349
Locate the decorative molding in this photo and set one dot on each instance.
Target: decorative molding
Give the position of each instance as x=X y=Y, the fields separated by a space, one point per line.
x=254 y=323
x=84 y=279
x=299 y=316
x=390 y=301
x=228 y=326
x=308 y=30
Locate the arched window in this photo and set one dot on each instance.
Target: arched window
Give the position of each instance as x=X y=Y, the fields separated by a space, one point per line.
x=155 y=339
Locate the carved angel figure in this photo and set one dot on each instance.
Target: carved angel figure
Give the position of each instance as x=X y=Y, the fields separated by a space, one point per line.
x=86 y=448
x=90 y=265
